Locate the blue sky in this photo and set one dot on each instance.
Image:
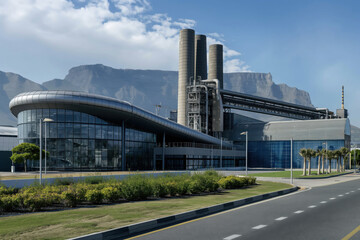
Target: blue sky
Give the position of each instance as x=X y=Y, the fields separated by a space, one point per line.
x=311 y=45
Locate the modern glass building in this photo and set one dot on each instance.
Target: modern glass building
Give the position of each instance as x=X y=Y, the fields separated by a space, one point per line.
x=89 y=132
x=8 y=140
x=270 y=142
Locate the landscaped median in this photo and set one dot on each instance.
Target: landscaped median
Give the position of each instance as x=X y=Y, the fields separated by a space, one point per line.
x=84 y=220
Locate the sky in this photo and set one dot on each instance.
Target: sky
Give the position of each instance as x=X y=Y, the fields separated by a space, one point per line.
x=309 y=44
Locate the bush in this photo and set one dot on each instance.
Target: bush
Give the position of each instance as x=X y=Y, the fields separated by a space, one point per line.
x=69 y=198
x=94 y=180
x=9 y=203
x=136 y=187
x=232 y=182
x=204 y=183
x=7 y=190
x=111 y=194
x=94 y=196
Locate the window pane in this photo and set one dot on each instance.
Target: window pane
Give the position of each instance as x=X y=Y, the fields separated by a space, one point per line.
x=69 y=130
x=84 y=131
x=77 y=117
x=77 y=131
x=61 y=130
x=69 y=117
x=61 y=115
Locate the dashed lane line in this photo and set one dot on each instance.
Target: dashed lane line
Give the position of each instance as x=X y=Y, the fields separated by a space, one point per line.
x=312 y=206
x=340 y=195
x=332 y=198
x=280 y=218
x=259 y=227
x=323 y=202
x=299 y=211
x=231 y=237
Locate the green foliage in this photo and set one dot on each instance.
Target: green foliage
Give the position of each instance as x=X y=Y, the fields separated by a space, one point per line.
x=94 y=196
x=233 y=182
x=64 y=181
x=24 y=152
x=94 y=179
x=7 y=190
x=136 y=187
x=111 y=193
x=69 y=198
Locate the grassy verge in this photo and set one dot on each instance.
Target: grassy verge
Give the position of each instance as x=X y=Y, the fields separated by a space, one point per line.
x=296 y=174
x=68 y=175
x=75 y=222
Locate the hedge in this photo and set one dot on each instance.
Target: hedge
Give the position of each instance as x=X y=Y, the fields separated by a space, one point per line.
x=98 y=190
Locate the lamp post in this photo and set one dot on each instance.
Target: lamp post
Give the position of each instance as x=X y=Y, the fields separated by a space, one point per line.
x=41 y=120
x=45 y=121
x=291 y=161
x=246 y=151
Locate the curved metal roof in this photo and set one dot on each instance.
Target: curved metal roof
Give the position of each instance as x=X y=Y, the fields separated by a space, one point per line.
x=109 y=109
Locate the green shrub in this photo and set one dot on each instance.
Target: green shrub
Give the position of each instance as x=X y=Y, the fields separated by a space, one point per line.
x=232 y=182
x=69 y=198
x=136 y=187
x=94 y=196
x=9 y=203
x=111 y=194
x=158 y=187
x=34 y=201
x=7 y=190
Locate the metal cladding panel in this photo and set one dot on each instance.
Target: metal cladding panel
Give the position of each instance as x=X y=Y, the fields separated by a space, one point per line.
x=322 y=129
x=216 y=63
x=186 y=69
x=111 y=110
x=200 y=57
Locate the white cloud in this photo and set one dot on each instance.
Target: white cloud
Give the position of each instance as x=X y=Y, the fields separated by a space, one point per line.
x=70 y=35
x=235 y=65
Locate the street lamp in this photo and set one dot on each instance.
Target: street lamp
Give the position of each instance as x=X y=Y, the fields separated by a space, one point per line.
x=246 y=151
x=45 y=121
x=41 y=120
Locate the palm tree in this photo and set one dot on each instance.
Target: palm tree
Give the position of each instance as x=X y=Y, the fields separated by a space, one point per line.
x=318 y=154
x=330 y=156
x=323 y=155
x=310 y=154
x=344 y=151
x=337 y=156
x=303 y=153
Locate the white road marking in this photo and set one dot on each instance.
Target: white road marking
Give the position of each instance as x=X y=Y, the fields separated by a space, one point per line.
x=340 y=195
x=231 y=237
x=259 y=227
x=332 y=198
x=281 y=218
x=347 y=193
x=299 y=211
x=323 y=202
x=312 y=206
x=352 y=191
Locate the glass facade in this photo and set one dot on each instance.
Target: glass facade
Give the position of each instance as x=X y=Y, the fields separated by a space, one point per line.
x=276 y=154
x=79 y=141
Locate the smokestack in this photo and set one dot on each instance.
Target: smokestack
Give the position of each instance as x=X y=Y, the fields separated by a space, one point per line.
x=200 y=57
x=342 y=98
x=216 y=63
x=186 y=70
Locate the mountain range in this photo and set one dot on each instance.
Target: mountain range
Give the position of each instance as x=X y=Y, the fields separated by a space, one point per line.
x=143 y=88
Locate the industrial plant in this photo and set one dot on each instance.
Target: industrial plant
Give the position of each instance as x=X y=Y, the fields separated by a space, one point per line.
x=89 y=132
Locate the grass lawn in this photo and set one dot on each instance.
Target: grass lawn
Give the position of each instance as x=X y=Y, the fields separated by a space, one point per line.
x=76 y=222
x=296 y=174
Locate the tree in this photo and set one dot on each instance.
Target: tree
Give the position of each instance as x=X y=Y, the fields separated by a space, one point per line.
x=303 y=153
x=24 y=152
x=319 y=154
x=323 y=155
x=344 y=152
x=337 y=156
x=310 y=153
x=330 y=156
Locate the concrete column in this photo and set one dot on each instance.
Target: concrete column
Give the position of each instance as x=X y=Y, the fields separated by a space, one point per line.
x=163 y=152
x=186 y=70
x=216 y=63
x=200 y=57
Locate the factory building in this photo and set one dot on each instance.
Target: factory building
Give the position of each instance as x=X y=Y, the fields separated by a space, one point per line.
x=8 y=140
x=90 y=132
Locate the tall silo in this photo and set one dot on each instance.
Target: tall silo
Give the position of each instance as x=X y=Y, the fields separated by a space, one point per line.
x=216 y=63
x=186 y=70
x=200 y=57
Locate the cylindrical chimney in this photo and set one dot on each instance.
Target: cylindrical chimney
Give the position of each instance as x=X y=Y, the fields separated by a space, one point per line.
x=200 y=57
x=216 y=63
x=186 y=70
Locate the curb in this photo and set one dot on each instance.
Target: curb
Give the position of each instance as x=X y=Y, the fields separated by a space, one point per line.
x=141 y=227
x=339 y=175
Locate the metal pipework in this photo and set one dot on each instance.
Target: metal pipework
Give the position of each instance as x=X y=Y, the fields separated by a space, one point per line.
x=200 y=57
x=186 y=70
x=216 y=63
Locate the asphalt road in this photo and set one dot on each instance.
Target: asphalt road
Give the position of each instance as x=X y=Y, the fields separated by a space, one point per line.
x=326 y=212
